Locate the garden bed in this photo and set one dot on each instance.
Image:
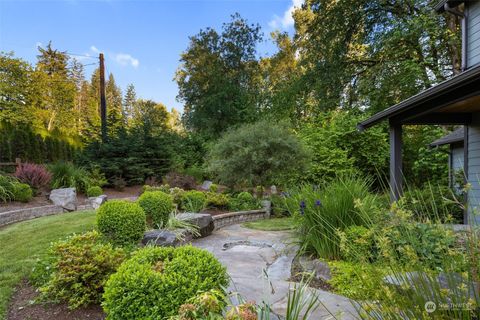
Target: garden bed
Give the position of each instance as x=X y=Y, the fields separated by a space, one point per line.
x=21 y=307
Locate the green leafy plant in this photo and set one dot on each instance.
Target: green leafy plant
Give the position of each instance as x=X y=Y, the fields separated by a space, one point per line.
x=217 y=200
x=276 y=158
x=78 y=269
x=434 y=203
x=193 y=201
x=94 y=191
x=7 y=188
x=155 y=282
x=357 y=244
x=213 y=188
x=66 y=175
x=121 y=222
x=244 y=201
x=177 y=194
x=181 y=227
x=163 y=188
x=206 y=305
x=22 y=192
x=322 y=210
x=157 y=206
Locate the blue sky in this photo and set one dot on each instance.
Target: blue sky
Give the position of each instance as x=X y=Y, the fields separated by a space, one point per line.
x=142 y=40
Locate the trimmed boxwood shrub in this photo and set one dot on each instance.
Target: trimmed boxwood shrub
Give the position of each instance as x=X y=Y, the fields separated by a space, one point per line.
x=156 y=281
x=78 y=269
x=22 y=192
x=121 y=221
x=193 y=201
x=94 y=191
x=157 y=206
x=217 y=200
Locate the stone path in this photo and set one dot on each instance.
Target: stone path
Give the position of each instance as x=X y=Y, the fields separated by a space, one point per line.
x=259 y=264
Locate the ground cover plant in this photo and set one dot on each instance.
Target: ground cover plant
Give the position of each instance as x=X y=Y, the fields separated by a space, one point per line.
x=25 y=242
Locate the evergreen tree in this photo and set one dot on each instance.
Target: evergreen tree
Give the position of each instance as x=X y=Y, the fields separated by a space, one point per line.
x=129 y=101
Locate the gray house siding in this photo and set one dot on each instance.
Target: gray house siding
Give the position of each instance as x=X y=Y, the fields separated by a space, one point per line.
x=473 y=33
x=473 y=168
x=457 y=159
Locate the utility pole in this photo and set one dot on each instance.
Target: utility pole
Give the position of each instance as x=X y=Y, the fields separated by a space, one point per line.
x=103 y=100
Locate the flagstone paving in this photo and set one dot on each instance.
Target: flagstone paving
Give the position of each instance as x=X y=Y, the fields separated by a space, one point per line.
x=259 y=264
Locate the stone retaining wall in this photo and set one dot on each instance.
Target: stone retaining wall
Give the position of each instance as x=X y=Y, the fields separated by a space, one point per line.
x=227 y=219
x=36 y=212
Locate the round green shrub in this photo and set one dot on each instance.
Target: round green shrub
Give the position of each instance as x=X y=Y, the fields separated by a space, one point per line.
x=157 y=206
x=94 y=191
x=78 y=269
x=156 y=281
x=122 y=222
x=22 y=192
x=217 y=200
x=244 y=201
x=193 y=201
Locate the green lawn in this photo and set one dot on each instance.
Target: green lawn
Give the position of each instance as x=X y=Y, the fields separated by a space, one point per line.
x=22 y=243
x=274 y=224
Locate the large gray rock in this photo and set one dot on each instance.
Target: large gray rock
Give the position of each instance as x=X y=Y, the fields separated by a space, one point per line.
x=65 y=198
x=203 y=221
x=319 y=268
x=206 y=185
x=166 y=238
x=96 y=202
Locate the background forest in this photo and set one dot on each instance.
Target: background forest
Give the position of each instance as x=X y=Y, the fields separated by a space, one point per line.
x=339 y=67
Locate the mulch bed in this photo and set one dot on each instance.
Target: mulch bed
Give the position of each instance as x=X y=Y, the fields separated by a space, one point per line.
x=23 y=307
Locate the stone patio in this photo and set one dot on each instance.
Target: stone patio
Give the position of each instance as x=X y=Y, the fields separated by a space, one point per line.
x=259 y=264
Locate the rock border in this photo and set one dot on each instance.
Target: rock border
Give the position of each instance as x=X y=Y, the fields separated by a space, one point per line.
x=230 y=218
x=19 y=215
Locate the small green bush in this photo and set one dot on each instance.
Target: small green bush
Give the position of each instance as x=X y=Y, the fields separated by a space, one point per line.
x=7 y=188
x=213 y=188
x=157 y=206
x=206 y=305
x=177 y=194
x=121 y=221
x=155 y=282
x=244 y=201
x=22 y=192
x=94 y=191
x=358 y=281
x=357 y=244
x=217 y=200
x=434 y=203
x=78 y=270
x=164 y=188
x=193 y=201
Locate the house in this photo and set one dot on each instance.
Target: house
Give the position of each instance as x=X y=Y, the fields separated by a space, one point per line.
x=456 y=154
x=455 y=101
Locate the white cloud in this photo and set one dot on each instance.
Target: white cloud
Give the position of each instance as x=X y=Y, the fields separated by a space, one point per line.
x=125 y=59
x=286 y=21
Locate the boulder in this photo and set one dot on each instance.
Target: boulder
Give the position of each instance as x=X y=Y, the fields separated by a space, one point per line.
x=273 y=190
x=166 y=238
x=206 y=185
x=65 y=198
x=319 y=268
x=267 y=205
x=96 y=202
x=203 y=221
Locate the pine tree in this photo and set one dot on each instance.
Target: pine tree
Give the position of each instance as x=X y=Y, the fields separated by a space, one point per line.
x=129 y=101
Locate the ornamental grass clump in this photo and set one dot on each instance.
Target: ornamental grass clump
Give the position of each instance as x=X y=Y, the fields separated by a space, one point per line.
x=121 y=222
x=157 y=206
x=321 y=211
x=156 y=281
